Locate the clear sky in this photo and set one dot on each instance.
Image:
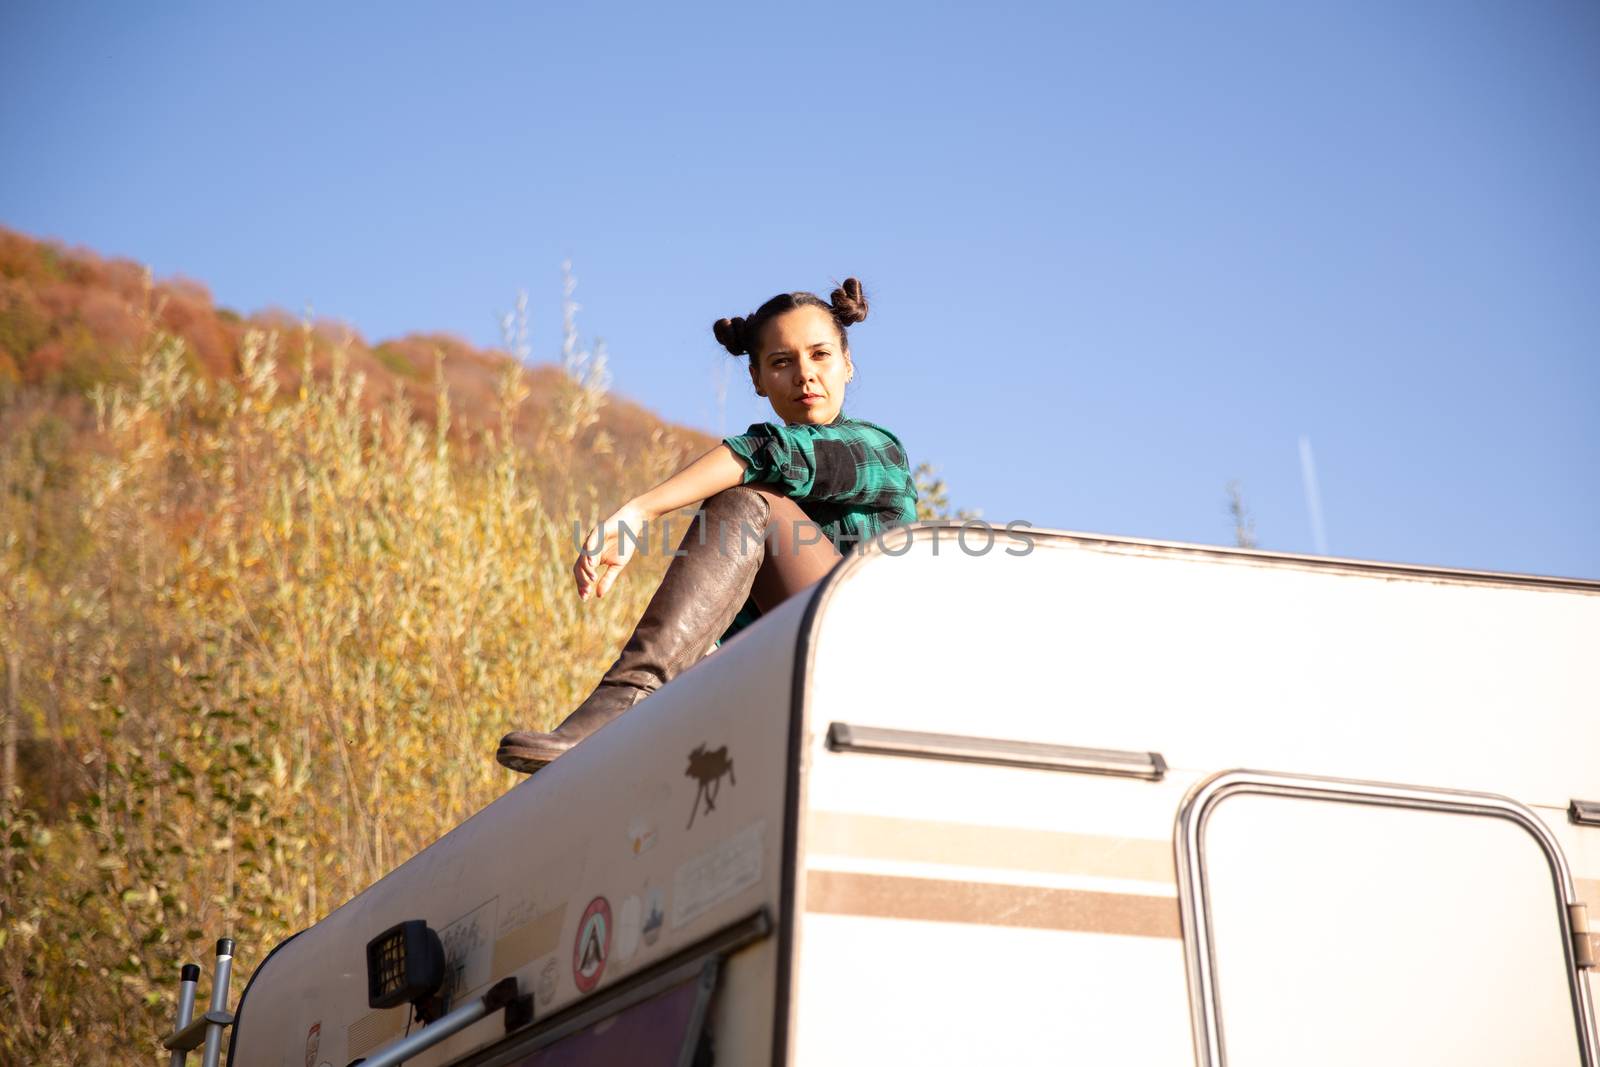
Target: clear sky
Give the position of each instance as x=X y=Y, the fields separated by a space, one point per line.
x=1118 y=253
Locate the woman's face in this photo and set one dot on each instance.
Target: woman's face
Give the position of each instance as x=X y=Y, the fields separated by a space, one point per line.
x=801 y=367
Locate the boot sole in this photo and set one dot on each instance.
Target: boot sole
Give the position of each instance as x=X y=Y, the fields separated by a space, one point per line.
x=524 y=759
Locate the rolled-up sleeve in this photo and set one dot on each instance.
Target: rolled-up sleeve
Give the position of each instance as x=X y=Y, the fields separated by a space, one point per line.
x=854 y=462
x=768 y=451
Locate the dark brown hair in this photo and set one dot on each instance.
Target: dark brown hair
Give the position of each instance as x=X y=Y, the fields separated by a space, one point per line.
x=741 y=335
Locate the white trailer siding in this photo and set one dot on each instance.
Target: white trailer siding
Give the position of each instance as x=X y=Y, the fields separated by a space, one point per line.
x=1070 y=947
x=508 y=890
x=1230 y=659
x=950 y=912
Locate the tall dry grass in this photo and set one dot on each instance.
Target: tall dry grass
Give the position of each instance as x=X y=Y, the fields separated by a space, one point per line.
x=268 y=643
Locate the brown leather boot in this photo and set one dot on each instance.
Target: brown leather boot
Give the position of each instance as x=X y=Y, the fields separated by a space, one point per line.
x=701 y=593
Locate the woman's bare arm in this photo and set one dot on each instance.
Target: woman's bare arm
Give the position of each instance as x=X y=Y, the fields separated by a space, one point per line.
x=707 y=476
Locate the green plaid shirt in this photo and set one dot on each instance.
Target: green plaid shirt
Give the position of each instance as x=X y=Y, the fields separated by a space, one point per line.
x=850 y=477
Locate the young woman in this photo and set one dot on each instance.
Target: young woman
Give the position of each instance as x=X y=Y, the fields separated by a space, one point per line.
x=768 y=493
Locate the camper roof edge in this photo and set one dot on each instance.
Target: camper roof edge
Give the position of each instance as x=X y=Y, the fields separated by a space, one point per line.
x=1416 y=571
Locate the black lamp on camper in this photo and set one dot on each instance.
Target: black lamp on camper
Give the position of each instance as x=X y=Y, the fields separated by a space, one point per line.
x=405 y=965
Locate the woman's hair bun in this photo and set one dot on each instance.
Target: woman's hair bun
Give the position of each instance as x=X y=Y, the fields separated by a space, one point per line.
x=731 y=334
x=849 y=302
x=742 y=335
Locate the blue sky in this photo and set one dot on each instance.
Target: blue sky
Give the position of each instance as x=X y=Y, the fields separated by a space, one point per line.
x=1118 y=254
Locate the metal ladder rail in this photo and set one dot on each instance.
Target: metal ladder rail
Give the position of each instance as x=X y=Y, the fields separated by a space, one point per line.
x=187 y=1032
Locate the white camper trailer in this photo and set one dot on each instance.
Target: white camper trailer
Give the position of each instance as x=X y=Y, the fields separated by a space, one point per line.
x=1051 y=799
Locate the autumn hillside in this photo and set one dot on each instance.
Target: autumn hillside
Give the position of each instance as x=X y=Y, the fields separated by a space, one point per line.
x=268 y=597
x=70 y=319
x=261 y=628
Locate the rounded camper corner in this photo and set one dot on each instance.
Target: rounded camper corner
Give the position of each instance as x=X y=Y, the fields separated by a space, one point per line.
x=240 y=1018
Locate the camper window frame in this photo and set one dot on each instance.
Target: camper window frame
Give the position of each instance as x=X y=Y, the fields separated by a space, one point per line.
x=702 y=960
x=1194 y=909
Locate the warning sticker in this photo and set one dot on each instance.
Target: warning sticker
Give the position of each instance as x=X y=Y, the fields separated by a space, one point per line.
x=589 y=952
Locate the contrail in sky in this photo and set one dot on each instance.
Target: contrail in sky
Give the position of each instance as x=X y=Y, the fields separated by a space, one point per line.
x=1308 y=476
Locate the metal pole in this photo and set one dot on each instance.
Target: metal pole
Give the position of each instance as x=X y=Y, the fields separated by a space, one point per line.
x=429 y=1035
x=188 y=980
x=219 y=1001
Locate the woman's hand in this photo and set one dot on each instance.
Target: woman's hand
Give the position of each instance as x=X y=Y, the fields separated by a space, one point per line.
x=606 y=551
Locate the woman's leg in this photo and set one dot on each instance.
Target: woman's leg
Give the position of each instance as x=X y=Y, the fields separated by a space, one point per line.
x=746 y=541
x=797 y=556
x=710 y=576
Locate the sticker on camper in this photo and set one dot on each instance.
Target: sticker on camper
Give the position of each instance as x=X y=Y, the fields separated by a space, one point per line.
x=717 y=874
x=641 y=835
x=655 y=915
x=545 y=988
x=313 y=1043
x=468 y=948
x=629 y=929
x=589 y=952
x=708 y=768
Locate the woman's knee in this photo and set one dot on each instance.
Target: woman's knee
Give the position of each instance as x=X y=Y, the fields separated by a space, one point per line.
x=740 y=501
x=734 y=517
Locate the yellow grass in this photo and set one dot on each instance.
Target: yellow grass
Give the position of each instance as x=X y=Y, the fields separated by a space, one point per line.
x=273 y=647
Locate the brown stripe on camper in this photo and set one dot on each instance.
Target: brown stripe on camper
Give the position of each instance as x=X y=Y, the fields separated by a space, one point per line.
x=1009 y=847
x=537 y=937
x=990 y=904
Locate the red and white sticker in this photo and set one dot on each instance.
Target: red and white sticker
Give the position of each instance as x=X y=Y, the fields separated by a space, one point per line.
x=589 y=952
